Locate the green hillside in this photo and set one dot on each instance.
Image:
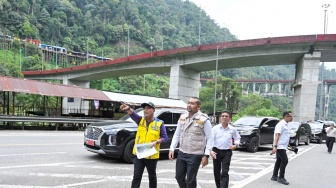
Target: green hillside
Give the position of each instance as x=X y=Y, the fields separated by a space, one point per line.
x=116 y=28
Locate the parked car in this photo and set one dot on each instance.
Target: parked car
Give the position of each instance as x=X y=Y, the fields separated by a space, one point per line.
x=327 y=123
x=318 y=132
x=255 y=131
x=116 y=138
x=299 y=132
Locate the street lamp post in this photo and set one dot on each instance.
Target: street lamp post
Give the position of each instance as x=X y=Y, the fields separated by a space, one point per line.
x=87 y=50
x=214 y=112
x=325 y=7
x=56 y=61
x=128 y=41
x=20 y=60
x=216 y=71
x=144 y=83
x=199 y=26
x=151 y=47
x=321 y=114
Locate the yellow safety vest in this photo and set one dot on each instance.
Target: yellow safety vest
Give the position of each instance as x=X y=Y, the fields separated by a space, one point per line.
x=149 y=135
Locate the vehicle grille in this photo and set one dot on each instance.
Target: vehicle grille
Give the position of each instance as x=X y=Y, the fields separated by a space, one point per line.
x=93 y=133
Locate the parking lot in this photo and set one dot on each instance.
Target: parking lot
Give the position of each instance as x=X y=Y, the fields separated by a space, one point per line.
x=58 y=159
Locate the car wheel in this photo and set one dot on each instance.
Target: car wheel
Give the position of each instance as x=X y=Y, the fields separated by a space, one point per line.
x=296 y=143
x=308 y=141
x=254 y=145
x=127 y=155
x=320 y=140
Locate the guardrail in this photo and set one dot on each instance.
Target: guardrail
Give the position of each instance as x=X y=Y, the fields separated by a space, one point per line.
x=43 y=119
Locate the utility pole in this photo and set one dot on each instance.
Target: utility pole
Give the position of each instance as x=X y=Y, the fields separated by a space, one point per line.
x=321 y=114
x=128 y=41
x=87 y=50
x=20 y=59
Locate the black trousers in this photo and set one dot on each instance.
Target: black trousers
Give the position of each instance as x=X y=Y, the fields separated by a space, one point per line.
x=280 y=163
x=221 y=167
x=139 y=167
x=330 y=143
x=187 y=164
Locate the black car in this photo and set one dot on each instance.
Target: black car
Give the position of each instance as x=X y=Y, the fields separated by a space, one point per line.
x=299 y=132
x=255 y=131
x=318 y=131
x=116 y=138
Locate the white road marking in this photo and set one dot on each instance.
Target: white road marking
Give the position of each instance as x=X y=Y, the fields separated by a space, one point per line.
x=25 y=186
x=52 y=153
x=250 y=163
x=239 y=178
x=44 y=165
x=84 y=183
x=266 y=171
x=101 y=167
x=53 y=144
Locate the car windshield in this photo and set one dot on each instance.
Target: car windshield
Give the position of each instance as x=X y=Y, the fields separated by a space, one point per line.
x=248 y=121
x=139 y=111
x=316 y=125
x=293 y=125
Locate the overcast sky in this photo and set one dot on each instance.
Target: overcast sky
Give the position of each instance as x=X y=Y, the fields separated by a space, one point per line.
x=252 y=19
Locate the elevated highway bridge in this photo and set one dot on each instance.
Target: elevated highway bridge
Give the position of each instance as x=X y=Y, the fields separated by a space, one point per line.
x=186 y=64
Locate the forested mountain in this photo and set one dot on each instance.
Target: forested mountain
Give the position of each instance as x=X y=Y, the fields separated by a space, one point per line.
x=106 y=24
x=111 y=27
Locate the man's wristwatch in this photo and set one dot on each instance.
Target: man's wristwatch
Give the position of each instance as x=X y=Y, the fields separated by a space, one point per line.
x=207 y=156
x=275 y=146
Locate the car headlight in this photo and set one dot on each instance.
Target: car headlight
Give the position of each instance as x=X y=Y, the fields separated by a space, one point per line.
x=112 y=136
x=316 y=131
x=248 y=132
x=112 y=139
x=292 y=132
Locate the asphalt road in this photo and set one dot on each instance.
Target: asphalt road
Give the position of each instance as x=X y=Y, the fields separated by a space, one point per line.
x=58 y=159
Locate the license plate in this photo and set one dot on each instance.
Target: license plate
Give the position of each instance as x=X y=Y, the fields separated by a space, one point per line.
x=90 y=142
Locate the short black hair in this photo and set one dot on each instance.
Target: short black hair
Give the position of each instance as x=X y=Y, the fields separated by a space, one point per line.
x=198 y=100
x=228 y=112
x=286 y=113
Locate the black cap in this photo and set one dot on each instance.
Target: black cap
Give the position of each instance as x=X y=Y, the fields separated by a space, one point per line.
x=148 y=104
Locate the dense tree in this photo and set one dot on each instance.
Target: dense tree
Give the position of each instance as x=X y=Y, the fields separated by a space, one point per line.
x=103 y=27
x=254 y=105
x=227 y=95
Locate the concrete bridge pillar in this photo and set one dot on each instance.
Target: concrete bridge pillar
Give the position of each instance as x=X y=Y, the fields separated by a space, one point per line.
x=271 y=87
x=75 y=105
x=183 y=83
x=266 y=87
x=305 y=87
x=258 y=89
x=254 y=88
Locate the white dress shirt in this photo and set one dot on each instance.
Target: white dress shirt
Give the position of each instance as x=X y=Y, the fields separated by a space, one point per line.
x=283 y=130
x=223 y=136
x=331 y=132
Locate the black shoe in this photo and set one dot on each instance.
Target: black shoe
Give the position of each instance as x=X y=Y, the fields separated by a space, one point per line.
x=274 y=178
x=283 y=181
